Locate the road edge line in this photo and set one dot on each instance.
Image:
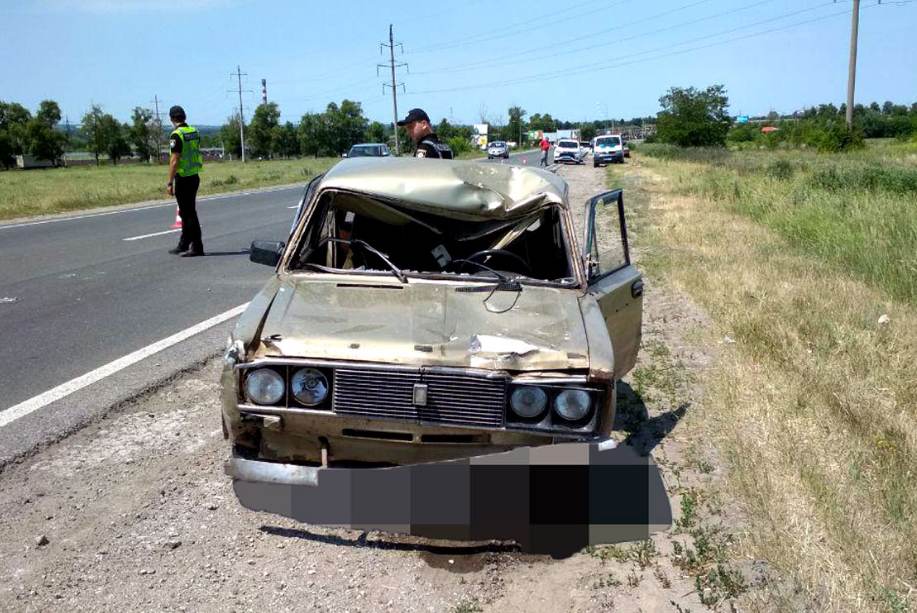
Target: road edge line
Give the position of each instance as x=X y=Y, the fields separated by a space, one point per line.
x=17 y=411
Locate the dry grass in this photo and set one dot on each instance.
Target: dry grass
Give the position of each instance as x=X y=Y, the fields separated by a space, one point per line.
x=57 y=190
x=814 y=405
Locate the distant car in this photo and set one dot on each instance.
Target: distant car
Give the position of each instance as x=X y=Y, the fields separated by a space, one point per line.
x=364 y=150
x=567 y=150
x=585 y=145
x=607 y=149
x=497 y=149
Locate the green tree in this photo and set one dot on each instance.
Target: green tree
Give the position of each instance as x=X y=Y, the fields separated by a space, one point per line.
x=116 y=138
x=694 y=118
x=309 y=133
x=375 y=133
x=515 y=126
x=286 y=141
x=14 y=120
x=143 y=133
x=44 y=140
x=587 y=131
x=260 y=132
x=230 y=137
x=94 y=129
x=344 y=126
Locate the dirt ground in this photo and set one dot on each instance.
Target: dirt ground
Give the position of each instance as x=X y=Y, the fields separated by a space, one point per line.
x=134 y=513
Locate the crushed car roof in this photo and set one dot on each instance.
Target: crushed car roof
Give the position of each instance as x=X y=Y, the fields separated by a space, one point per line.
x=460 y=189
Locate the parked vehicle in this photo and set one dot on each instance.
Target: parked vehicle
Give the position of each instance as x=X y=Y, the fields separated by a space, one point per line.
x=567 y=151
x=607 y=149
x=368 y=150
x=498 y=149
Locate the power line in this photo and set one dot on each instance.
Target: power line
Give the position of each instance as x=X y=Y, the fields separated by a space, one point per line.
x=568 y=51
x=601 y=67
x=394 y=85
x=517 y=28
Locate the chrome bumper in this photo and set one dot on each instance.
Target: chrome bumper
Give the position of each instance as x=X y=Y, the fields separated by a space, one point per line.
x=553 y=499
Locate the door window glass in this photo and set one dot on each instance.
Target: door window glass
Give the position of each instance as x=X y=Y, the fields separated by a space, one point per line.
x=607 y=243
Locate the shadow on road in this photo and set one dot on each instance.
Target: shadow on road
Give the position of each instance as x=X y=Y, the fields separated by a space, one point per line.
x=217 y=253
x=391 y=542
x=643 y=432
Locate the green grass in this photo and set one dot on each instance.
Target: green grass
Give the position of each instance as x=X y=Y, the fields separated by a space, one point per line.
x=39 y=192
x=855 y=210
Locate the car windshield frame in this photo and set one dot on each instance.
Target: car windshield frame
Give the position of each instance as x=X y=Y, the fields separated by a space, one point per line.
x=574 y=281
x=616 y=141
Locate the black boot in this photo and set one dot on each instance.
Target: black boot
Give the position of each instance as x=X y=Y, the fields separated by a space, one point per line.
x=177 y=250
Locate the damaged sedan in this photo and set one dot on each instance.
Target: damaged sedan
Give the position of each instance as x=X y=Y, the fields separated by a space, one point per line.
x=423 y=312
x=430 y=312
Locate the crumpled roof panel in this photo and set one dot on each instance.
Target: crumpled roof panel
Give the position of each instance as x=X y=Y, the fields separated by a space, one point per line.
x=453 y=188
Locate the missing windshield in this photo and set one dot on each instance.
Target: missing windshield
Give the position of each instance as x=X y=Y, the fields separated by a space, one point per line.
x=352 y=232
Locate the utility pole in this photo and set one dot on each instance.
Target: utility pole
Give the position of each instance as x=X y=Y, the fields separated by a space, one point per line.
x=263 y=91
x=158 y=131
x=239 y=74
x=852 y=69
x=394 y=85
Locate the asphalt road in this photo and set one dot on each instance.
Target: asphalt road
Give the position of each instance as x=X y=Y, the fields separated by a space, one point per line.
x=79 y=292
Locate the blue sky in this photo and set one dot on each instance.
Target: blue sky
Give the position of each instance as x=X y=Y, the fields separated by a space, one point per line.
x=577 y=60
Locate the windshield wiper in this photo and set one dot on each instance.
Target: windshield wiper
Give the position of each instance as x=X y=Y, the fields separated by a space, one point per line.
x=363 y=244
x=504 y=283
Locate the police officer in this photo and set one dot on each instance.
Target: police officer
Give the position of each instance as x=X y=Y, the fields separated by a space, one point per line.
x=417 y=125
x=185 y=164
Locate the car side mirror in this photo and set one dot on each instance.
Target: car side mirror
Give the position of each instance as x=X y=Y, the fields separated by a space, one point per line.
x=266 y=252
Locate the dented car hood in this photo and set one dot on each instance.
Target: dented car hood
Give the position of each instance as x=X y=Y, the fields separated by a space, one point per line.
x=426 y=323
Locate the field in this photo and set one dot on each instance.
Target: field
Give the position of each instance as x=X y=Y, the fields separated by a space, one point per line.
x=806 y=265
x=39 y=192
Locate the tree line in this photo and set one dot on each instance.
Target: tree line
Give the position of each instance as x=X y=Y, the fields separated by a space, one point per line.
x=693 y=117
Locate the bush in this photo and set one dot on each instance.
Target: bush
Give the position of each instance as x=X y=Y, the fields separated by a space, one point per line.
x=781 y=170
x=897 y=180
x=459 y=145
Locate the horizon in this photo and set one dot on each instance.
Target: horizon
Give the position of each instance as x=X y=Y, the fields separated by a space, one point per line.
x=463 y=65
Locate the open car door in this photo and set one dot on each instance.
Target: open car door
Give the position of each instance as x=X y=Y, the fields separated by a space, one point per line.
x=613 y=281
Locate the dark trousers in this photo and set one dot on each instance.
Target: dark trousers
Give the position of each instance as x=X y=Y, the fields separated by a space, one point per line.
x=544 y=158
x=186 y=195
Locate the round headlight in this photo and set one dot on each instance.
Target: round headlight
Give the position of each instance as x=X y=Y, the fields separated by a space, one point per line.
x=528 y=401
x=310 y=386
x=572 y=405
x=264 y=386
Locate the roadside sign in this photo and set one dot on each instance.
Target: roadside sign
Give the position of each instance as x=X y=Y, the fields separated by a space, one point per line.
x=742 y=119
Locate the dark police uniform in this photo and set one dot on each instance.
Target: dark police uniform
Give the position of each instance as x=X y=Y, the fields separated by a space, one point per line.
x=431 y=147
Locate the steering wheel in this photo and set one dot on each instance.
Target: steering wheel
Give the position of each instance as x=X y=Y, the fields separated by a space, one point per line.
x=525 y=268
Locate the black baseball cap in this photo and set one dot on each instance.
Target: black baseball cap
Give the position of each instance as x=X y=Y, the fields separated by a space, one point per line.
x=176 y=112
x=414 y=115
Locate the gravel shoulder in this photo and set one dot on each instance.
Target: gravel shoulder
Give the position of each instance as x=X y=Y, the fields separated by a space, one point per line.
x=134 y=513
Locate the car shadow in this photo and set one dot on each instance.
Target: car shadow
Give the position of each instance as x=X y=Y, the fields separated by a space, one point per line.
x=391 y=542
x=218 y=253
x=644 y=433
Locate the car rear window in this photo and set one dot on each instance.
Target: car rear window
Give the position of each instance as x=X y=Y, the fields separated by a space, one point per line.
x=568 y=143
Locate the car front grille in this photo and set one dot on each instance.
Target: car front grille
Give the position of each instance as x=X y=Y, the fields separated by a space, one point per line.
x=452 y=399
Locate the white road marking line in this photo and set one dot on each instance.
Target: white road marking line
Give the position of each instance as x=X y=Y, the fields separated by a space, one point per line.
x=144 y=208
x=137 y=238
x=295 y=206
x=65 y=389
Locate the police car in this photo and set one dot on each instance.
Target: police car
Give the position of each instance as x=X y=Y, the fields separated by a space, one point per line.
x=568 y=150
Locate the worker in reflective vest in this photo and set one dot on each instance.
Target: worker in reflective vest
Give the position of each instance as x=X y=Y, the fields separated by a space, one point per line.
x=185 y=165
